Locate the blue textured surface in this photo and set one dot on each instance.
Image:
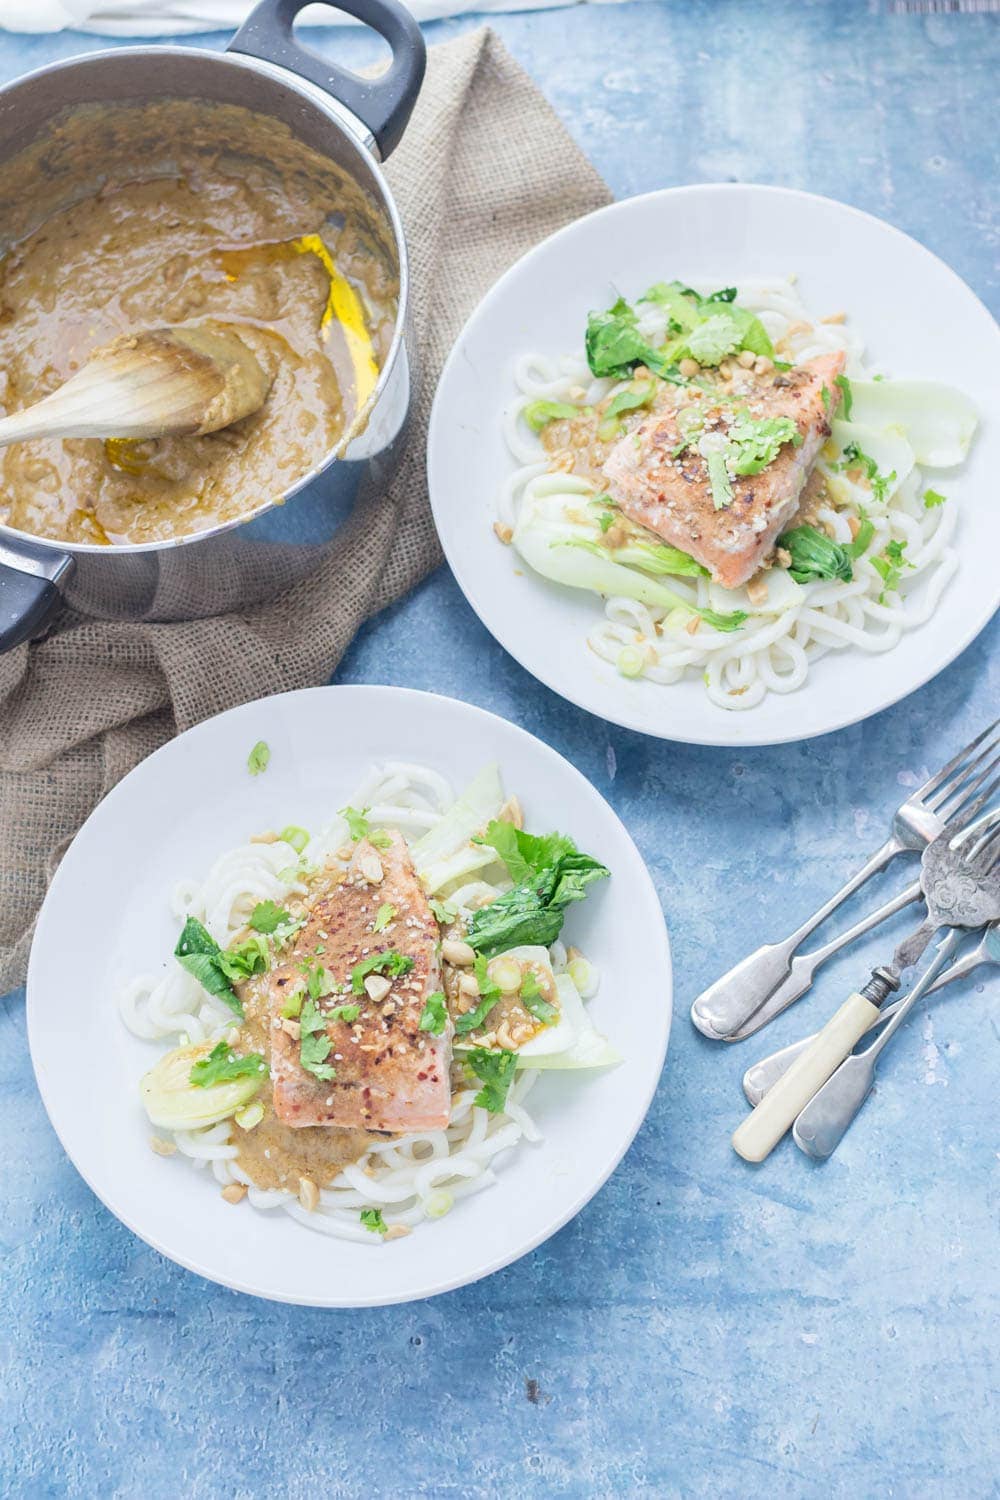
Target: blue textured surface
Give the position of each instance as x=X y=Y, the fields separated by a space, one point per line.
x=702 y=1329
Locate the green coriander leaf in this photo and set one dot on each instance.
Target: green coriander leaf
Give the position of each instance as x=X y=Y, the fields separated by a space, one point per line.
x=443 y=913
x=319 y=981
x=534 y=1003
x=727 y=294
x=258 y=758
x=347 y=1013
x=314 y=1044
x=853 y=457
x=292 y=1008
x=223 y=1066
x=199 y=953
x=890 y=567
x=718 y=479
x=605 y=521
x=495 y=1070
x=383 y=917
x=250 y=957
x=489 y=994
x=372 y=1219
x=267 y=916
x=724 y=622
x=933 y=498
x=755 y=442
x=357 y=823
x=638 y=395
x=435 y=1015
x=539 y=414
x=713 y=339
x=846 y=395
x=379 y=839
x=390 y=963
x=825 y=396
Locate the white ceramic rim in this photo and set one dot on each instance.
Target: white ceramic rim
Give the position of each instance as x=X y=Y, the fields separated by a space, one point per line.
x=742 y=732
x=46 y=934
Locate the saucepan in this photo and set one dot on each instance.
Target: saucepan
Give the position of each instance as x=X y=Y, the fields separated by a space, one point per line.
x=353 y=122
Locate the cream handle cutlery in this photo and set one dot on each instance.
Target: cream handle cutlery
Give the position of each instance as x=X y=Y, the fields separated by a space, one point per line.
x=962 y=889
x=759 y=1077
x=761 y=1131
x=823 y=1121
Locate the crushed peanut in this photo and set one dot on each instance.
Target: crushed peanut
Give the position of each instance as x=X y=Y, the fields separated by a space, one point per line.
x=459 y=954
x=235 y=1192
x=162 y=1147
x=308 y=1194
x=757 y=589
x=503 y=532
x=396 y=1232
x=370 y=867
x=377 y=986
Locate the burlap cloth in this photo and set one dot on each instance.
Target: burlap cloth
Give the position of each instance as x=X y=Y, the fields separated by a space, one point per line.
x=484 y=171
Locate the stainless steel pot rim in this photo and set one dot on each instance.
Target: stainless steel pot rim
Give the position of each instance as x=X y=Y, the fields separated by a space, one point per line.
x=359 y=138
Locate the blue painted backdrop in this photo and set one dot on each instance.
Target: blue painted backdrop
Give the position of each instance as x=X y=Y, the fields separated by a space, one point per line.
x=702 y=1329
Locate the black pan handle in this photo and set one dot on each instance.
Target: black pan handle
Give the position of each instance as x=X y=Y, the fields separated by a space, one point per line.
x=29 y=590
x=384 y=103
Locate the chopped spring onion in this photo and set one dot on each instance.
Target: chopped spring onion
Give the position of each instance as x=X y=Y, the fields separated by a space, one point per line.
x=631 y=662
x=506 y=974
x=250 y=1115
x=438 y=1203
x=297 y=837
x=584 y=975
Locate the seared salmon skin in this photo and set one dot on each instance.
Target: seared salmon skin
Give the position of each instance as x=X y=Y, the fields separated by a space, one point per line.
x=364 y=993
x=663 y=484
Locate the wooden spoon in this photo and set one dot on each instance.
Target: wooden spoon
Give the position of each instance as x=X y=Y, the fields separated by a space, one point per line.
x=166 y=381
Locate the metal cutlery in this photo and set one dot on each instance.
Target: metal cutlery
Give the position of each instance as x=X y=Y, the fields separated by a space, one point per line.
x=961 y=887
x=728 y=1009
x=761 y=1075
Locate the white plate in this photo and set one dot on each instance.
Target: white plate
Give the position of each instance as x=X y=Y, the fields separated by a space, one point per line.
x=917 y=319
x=105 y=918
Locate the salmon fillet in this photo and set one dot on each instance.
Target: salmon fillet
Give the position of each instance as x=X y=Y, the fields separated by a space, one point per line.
x=388 y=1074
x=672 y=495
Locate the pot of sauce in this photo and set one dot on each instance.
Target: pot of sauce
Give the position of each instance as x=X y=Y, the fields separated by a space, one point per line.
x=155 y=185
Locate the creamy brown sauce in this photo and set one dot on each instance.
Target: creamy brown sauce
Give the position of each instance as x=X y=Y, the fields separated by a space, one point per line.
x=274 y=1155
x=204 y=235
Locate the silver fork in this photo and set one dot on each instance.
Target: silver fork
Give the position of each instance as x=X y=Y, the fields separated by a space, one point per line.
x=960 y=892
x=761 y=1075
x=804 y=965
x=973 y=894
x=735 y=1005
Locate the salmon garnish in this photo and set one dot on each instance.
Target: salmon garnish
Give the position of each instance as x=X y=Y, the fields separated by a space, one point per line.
x=380 y=1071
x=659 y=473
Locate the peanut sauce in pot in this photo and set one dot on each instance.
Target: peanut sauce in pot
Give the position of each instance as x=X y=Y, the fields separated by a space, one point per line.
x=169 y=214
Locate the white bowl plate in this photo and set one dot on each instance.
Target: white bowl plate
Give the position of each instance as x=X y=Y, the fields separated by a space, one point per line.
x=918 y=320
x=106 y=918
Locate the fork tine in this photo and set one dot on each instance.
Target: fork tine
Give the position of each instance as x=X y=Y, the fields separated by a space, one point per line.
x=934 y=782
x=950 y=812
x=955 y=825
x=987 y=852
x=960 y=783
